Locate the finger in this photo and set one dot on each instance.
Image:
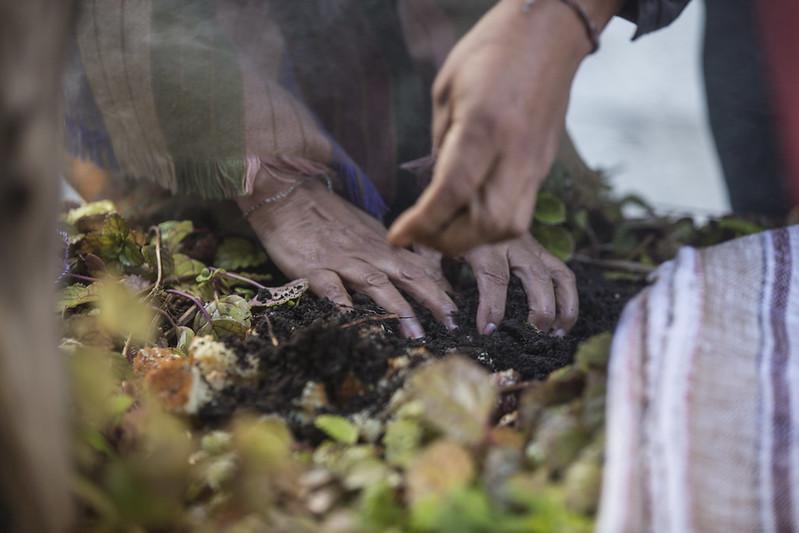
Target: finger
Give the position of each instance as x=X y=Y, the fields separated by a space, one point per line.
x=327 y=284
x=457 y=238
x=432 y=259
x=377 y=286
x=567 y=297
x=442 y=110
x=538 y=286
x=414 y=280
x=507 y=206
x=492 y=275
x=467 y=155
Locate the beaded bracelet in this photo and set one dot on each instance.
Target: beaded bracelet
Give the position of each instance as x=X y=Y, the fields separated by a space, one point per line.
x=282 y=195
x=590 y=27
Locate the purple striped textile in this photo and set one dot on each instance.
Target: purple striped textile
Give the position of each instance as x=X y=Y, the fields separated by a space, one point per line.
x=703 y=398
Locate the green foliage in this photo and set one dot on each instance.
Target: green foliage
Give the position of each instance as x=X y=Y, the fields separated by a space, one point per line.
x=114 y=242
x=104 y=207
x=456 y=396
x=434 y=459
x=556 y=239
x=173 y=232
x=550 y=209
x=230 y=315
x=337 y=428
x=236 y=253
x=76 y=295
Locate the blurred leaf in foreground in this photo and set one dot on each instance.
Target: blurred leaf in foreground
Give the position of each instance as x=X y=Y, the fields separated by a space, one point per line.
x=458 y=396
x=338 y=428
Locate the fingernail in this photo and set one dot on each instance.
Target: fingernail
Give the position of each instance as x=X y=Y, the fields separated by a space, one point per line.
x=490 y=328
x=559 y=333
x=450 y=324
x=412 y=329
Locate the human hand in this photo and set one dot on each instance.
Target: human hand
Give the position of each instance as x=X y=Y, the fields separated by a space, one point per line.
x=499 y=106
x=317 y=235
x=550 y=286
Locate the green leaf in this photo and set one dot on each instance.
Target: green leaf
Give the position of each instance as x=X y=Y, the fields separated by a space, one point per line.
x=236 y=253
x=594 y=353
x=122 y=313
x=103 y=207
x=441 y=468
x=549 y=209
x=556 y=239
x=458 y=396
x=76 y=295
x=186 y=267
x=558 y=440
x=173 y=232
x=230 y=315
x=185 y=336
x=402 y=440
x=151 y=258
x=338 y=428
x=216 y=442
x=740 y=226
x=119 y=403
x=380 y=509
x=114 y=242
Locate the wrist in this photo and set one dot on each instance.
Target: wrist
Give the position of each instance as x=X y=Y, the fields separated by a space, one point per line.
x=272 y=202
x=576 y=24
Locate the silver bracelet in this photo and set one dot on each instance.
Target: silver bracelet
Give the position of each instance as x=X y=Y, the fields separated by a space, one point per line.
x=282 y=195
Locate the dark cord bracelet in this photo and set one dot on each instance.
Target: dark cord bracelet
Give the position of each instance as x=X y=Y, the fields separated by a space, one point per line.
x=590 y=28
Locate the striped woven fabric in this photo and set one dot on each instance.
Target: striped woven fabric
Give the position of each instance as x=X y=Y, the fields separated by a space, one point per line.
x=200 y=95
x=703 y=405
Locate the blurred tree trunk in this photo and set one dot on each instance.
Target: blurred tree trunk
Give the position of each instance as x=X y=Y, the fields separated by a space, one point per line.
x=34 y=447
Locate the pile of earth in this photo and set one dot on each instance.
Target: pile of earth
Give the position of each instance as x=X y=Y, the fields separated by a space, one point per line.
x=356 y=359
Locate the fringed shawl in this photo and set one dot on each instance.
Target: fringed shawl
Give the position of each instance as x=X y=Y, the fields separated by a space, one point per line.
x=703 y=404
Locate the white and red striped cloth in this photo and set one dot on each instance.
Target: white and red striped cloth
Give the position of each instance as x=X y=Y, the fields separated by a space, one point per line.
x=703 y=401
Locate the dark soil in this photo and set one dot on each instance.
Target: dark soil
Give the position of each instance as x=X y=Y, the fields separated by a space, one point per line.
x=354 y=354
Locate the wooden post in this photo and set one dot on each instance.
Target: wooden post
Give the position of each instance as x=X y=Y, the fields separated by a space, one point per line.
x=34 y=450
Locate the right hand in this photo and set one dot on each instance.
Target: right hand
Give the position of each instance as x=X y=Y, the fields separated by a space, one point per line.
x=317 y=235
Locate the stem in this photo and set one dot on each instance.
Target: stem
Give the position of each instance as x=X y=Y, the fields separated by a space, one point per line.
x=271 y=331
x=193 y=300
x=158 y=261
x=240 y=278
x=82 y=278
x=167 y=315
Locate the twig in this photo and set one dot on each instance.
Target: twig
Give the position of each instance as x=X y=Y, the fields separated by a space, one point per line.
x=194 y=300
x=159 y=264
x=167 y=315
x=126 y=348
x=186 y=316
x=616 y=264
x=516 y=387
x=271 y=331
x=378 y=318
x=81 y=278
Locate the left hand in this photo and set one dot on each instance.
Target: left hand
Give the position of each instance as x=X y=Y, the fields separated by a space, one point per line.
x=552 y=299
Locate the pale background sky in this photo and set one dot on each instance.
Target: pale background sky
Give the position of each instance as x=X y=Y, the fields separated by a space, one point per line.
x=638 y=111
